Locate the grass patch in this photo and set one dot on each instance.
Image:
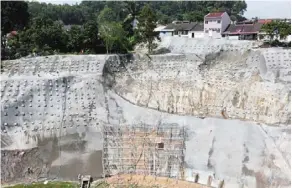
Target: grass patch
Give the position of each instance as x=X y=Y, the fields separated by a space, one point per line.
x=102 y=184
x=48 y=185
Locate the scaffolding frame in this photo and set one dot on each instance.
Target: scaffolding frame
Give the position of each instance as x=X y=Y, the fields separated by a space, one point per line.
x=156 y=150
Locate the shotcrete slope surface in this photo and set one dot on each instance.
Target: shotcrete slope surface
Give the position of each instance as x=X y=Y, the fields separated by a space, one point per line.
x=53 y=109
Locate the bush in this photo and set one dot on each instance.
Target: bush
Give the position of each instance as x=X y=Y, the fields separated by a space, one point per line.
x=275 y=43
x=161 y=51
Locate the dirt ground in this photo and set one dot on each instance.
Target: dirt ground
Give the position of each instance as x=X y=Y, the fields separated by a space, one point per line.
x=20 y=166
x=121 y=181
x=150 y=181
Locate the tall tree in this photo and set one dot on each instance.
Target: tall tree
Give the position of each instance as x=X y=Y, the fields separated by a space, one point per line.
x=14 y=16
x=146 y=24
x=106 y=15
x=91 y=39
x=75 y=39
x=111 y=31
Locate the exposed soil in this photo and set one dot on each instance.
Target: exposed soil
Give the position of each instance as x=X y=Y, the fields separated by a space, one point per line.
x=161 y=182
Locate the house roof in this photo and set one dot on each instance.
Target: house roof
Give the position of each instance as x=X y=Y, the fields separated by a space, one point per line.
x=191 y=26
x=181 y=26
x=243 y=28
x=264 y=21
x=274 y=19
x=159 y=28
x=11 y=34
x=198 y=27
x=214 y=15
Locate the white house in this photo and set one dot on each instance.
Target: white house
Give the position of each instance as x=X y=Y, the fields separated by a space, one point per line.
x=197 y=31
x=183 y=29
x=159 y=29
x=216 y=23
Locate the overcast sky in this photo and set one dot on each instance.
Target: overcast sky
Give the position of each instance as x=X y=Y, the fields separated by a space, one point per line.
x=268 y=9
x=259 y=8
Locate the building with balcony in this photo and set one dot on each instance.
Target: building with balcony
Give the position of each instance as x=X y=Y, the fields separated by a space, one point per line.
x=215 y=23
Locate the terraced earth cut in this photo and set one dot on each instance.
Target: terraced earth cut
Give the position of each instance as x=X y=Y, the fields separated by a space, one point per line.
x=232 y=99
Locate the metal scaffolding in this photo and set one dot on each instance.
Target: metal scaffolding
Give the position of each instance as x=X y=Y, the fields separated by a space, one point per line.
x=156 y=150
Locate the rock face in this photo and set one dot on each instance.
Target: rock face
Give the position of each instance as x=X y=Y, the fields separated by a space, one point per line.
x=54 y=109
x=246 y=85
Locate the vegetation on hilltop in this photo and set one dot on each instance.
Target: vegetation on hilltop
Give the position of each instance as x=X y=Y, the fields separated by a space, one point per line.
x=277 y=28
x=167 y=10
x=45 y=29
x=146 y=25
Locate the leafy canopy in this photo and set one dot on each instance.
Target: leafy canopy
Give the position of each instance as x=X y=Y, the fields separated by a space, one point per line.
x=277 y=28
x=146 y=24
x=14 y=16
x=111 y=31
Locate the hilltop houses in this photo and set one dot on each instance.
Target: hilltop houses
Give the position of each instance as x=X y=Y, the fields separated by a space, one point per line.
x=243 y=30
x=218 y=25
x=183 y=29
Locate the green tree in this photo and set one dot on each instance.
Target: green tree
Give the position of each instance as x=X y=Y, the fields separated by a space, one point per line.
x=20 y=45
x=277 y=28
x=193 y=17
x=49 y=34
x=14 y=16
x=146 y=24
x=110 y=30
x=43 y=35
x=75 y=39
x=269 y=29
x=112 y=33
x=91 y=40
x=106 y=15
x=167 y=10
x=284 y=29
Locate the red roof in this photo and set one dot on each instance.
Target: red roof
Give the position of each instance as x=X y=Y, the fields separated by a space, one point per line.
x=264 y=21
x=234 y=29
x=214 y=15
x=13 y=32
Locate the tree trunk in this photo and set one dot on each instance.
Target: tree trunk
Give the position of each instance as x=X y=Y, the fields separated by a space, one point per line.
x=106 y=46
x=271 y=38
x=149 y=46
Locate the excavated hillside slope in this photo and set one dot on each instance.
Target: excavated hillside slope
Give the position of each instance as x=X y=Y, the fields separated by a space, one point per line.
x=53 y=110
x=251 y=85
